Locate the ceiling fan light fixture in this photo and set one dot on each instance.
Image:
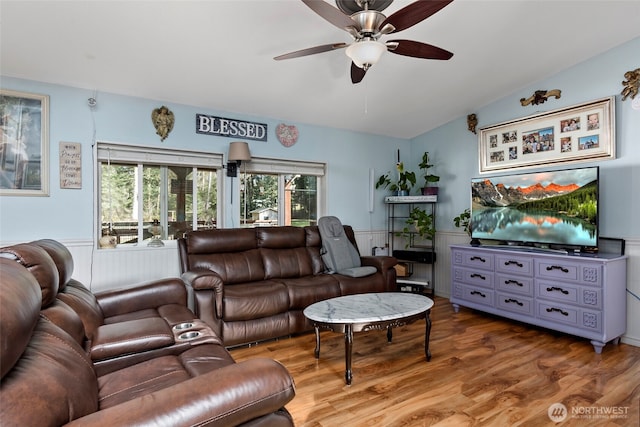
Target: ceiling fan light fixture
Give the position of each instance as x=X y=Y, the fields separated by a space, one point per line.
x=366 y=52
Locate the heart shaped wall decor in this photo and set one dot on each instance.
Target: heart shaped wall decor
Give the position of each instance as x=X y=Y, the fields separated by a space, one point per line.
x=287 y=134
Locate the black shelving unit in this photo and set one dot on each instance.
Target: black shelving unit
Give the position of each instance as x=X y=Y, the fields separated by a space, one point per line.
x=416 y=255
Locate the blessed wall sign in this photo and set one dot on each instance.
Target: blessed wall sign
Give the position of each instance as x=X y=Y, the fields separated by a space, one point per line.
x=231 y=128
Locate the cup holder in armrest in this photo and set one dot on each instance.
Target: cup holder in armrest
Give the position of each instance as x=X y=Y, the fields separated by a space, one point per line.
x=194 y=332
x=189 y=335
x=183 y=326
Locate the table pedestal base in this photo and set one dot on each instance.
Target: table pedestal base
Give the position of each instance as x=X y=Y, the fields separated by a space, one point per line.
x=350 y=328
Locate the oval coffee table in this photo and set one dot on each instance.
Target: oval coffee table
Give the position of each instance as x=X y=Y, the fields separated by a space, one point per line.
x=365 y=312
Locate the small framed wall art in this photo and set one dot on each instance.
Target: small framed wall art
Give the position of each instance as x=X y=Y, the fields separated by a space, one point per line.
x=287 y=134
x=583 y=132
x=70 y=165
x=24 y=144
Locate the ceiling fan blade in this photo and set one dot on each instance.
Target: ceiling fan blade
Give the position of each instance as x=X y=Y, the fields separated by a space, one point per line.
x=311 y=51
x=416 y=12
x=331 y=14
x=419 y=50
x=357 y=73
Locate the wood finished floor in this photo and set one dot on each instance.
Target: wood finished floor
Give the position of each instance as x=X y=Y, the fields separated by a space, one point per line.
x=484 y=371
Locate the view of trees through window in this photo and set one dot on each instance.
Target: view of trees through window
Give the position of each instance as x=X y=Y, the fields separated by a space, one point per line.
x=166 y=194
x=266 y=194
x=134 y=194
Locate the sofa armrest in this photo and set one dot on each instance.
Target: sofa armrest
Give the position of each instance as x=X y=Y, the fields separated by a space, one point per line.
x=384 y=264
x=142 y=296
x=201 y=280
x=134 y=336
x=381 y=263
x=225 y=397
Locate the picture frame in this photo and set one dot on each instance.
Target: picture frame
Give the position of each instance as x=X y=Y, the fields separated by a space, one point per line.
x=70 y=165
x=579 y=133
x=24 y=144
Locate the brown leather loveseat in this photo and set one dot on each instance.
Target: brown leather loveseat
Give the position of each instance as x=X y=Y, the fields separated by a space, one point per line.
x=125 y=357
x=252 y=284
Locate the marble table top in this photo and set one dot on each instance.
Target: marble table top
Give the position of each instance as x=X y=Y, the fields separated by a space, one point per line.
x=372 y=307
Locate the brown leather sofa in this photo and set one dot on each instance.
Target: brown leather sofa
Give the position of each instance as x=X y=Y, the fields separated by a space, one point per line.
x=252 y=284
x=126 y=368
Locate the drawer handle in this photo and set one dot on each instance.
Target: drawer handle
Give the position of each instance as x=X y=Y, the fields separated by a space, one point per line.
x=519 y=264
x=477 y=258
x=478 y=293
x=513 y=282
x=552 y=309
x=555 y=288
x=478 y=275
x=510 y=300
x=558 y=267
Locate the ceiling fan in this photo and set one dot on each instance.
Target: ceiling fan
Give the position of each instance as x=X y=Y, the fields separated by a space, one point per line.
x=364 y=21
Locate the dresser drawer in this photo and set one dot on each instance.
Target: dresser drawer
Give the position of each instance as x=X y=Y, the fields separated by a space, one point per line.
x=514 y=264
x=568 y=293
x=475 y=260
x=580 y=318
x=515 y=303
x=473 y=277
x=473 y=294
x=557 y=270
x=516 y=284
x=584 y=274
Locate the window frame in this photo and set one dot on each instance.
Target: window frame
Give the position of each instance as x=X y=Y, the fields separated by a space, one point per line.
x=109 y=152
x=280 y=168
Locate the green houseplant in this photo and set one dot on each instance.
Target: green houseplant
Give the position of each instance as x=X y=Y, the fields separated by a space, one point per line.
x=420 y=223
x=429 y=178
x=464 y=220
x=406 y=180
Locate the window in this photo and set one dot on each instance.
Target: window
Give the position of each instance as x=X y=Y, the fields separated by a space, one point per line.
x=139 y=186
x=279 y=192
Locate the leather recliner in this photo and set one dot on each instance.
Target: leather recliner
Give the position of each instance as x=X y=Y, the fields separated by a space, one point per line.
x=117 y=327
x=49 y=379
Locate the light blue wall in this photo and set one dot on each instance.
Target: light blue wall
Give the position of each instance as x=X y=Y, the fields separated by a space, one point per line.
x=455 y=150
x=68 y=214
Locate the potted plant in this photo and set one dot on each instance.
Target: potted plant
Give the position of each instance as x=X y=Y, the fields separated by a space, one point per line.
x=420 y=223
x=429 y=178
x=464 y=220
x=406 y=180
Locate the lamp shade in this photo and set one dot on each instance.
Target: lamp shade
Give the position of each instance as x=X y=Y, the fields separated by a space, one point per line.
x=365 y=53
x=239 y=150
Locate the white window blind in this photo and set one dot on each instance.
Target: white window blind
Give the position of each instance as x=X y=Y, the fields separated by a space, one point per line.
x=112 y=152
x=276 y=166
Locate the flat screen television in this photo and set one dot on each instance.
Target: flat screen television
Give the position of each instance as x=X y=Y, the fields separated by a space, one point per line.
x=553 y=209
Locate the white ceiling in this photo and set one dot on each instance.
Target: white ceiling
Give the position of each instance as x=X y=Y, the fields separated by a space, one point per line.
x=219 y=55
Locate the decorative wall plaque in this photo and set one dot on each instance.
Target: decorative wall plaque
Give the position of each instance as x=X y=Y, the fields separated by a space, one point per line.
x=230 y=128
x=163 y=120
x=287 y=134
x=70 y=165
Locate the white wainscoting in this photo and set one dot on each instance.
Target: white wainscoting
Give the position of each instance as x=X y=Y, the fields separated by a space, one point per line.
x=367 y=240
x=102 y=269
x=632 y=336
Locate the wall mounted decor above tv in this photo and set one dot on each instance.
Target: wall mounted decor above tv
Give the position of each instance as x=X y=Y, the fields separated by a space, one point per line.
x=553 y=209
x=579 y=133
